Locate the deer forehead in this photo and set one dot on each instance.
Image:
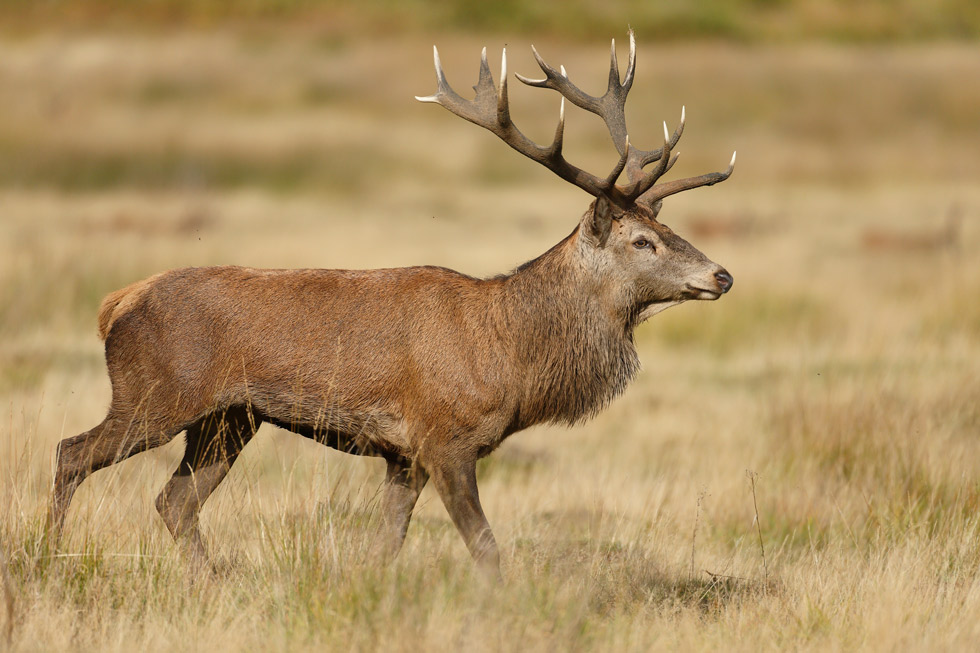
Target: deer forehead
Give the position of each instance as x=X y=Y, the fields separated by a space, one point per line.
x=630 y=225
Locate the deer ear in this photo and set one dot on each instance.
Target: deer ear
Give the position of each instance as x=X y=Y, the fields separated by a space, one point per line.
x=656 y=208
x=598 y=221
x=653 y=208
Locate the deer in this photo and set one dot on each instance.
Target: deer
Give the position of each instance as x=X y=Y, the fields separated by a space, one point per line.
x=425 y=367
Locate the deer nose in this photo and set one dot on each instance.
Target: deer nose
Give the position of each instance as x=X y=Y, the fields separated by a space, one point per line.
x=724 y=280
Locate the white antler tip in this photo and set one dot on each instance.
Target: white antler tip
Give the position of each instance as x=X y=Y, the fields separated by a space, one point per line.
x=437 y=61
x=666 y=133
x=683 y=112
x=733 y=158
x=563 y=73
x=561 y=111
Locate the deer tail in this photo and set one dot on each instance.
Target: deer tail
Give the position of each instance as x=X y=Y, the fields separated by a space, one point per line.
x=120 y=302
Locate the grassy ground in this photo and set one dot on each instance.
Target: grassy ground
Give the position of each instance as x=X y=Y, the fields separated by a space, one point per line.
x=842 y=372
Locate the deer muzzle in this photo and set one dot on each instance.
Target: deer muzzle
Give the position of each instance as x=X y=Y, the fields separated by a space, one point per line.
x=721 y=281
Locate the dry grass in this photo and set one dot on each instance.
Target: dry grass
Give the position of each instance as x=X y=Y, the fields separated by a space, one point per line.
x=846 y=378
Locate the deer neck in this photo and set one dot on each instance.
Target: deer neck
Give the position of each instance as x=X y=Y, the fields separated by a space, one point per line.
x=570 y=336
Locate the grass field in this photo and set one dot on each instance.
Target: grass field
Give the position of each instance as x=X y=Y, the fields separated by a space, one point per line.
x=841 y=374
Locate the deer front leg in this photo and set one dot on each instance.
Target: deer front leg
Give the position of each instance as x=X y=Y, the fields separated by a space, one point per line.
x=456 y=484
x=403 y=484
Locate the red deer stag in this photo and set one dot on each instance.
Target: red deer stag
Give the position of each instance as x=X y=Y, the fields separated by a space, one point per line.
x=426 y=367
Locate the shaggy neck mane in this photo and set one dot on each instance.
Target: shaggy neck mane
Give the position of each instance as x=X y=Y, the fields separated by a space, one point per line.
x=574 y=353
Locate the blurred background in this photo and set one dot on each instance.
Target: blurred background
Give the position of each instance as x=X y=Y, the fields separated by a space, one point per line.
x=844 y=367
x=139 y=136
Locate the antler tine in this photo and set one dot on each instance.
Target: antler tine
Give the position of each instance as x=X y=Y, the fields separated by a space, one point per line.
x=440 y=78
x=631 y=66
x=657 y=154
x=613 y=67
x=503 y=106
x=485 y=74
x=641 y=186
x=490 y=109
x=618 y=170
x=559 y=140
x=661 y=191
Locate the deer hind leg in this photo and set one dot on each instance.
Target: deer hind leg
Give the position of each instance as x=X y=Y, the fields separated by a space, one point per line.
x=403 y=484
x=118 y=437
x=213 y=444
x=456 y=484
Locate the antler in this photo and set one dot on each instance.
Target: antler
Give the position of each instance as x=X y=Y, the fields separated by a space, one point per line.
x=661 y=191
x=490 y=110
x=611 y=108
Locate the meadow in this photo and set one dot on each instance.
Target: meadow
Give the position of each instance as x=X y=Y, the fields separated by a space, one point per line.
x=797 y=466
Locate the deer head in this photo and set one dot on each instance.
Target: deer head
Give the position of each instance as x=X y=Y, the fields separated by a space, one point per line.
x=619 y=235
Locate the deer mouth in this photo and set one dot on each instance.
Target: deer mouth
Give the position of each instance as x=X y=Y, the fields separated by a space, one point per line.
x=702 y=293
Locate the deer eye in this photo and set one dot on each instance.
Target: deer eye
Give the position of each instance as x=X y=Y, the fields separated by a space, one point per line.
x=642 y=243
